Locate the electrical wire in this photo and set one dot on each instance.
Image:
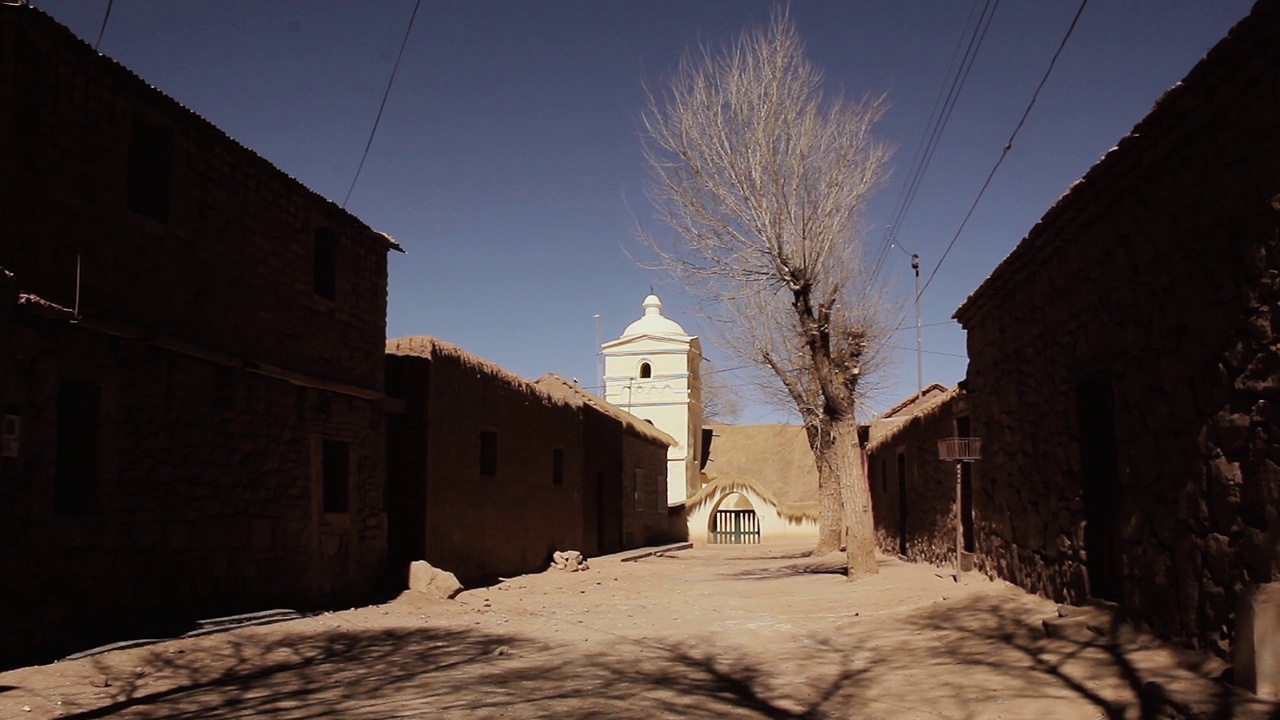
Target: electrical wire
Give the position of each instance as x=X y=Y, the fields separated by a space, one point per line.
x=927 y=352
x=948 y=94
x=1007 y=147
x=103 y=29
x=383 y=104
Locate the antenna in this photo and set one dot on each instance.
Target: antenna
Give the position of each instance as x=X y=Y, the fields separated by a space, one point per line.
x=599 y=355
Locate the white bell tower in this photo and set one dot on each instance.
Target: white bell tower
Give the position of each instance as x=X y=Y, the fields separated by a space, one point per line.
x=652 y=372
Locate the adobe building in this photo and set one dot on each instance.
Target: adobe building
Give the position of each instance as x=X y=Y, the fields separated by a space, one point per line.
x=620 y=451
x=653 y=371
x=1124 y=365
x=484 y=468
x=490 y=474
x=913 y=493
x=759 y=485
x=191 y=367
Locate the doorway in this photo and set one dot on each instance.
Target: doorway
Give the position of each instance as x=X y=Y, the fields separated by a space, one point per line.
x=1100 y=485
x=734 y=522
x=902 y=504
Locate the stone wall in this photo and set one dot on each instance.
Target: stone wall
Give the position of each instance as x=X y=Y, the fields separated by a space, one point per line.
x=230 y=265
x=1125 y=364
x=230 y=328
x=203 y=495
x=926 y=531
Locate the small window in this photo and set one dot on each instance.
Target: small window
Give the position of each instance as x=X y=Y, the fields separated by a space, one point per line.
x=557 y=466
x=488 y=453
x=150 y=165
x=639 y=489
x=336 y=466
x=77 y=449
x=646 y=370
x=325 y=264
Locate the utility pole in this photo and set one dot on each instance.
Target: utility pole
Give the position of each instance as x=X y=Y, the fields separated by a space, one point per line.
x=915 y=265
x=599 y=357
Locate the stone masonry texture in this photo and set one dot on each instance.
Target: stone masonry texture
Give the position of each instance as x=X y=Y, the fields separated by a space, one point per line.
x=1139 y=325
x=210 y=372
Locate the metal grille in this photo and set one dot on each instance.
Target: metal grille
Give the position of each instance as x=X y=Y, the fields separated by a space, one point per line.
x=966 y=449
x=735 y=527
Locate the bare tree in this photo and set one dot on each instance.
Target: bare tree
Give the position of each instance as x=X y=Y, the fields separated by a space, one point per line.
x=721 y=400
x=763 y=179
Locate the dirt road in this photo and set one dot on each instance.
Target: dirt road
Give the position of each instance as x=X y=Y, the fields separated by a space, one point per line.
x=704 y=633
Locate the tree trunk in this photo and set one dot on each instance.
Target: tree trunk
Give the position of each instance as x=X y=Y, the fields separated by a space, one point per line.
x=831 y=518
x=859 y=522
x=844 y=499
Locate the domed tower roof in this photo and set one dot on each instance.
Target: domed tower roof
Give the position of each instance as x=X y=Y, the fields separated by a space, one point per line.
x=654 y=322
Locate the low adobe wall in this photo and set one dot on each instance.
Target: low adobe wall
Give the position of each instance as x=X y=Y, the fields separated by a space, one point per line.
x=774 y=526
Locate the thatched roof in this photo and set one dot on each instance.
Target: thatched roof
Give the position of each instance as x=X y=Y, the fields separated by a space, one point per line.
x=430 y=348
x=569 y=393
x=914 y=402
x=884 y=431
x=775 y=457
x=720 y=486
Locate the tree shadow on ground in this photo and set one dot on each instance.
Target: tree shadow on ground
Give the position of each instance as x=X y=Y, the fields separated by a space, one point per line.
x=765 y=555
x=819 y=566
x=1096 y=657
x=432 y=671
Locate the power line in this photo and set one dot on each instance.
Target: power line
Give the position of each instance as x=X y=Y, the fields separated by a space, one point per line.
x=1007 y=147
x=383 y=104
x=948 y=94
x=928 y=352
x=103 y=29
x=901 y=326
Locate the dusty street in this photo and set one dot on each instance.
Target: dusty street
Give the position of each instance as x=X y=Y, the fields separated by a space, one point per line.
x=703 y=633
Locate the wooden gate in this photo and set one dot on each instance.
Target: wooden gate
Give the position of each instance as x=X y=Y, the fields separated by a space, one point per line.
x=735 y=527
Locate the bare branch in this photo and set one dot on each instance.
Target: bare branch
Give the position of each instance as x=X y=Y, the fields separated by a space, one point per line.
x=763 y=179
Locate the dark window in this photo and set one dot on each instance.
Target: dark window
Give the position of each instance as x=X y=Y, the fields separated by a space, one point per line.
x=488 y=453
x=639 y=488
x=77 y=449
x=646 y=370
x=150 y=164
x=557 y=466
x=325 y=270
x=336 y=465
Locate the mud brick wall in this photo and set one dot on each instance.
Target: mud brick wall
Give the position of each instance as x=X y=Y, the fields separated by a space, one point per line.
x=204 y=497
x=1150 y=294
x=644 y=523
x=926 y=530
x=229 y=266
x=204 y=472
x=478 y=526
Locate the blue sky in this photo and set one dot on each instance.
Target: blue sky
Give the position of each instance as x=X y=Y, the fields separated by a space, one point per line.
x=508 y=158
